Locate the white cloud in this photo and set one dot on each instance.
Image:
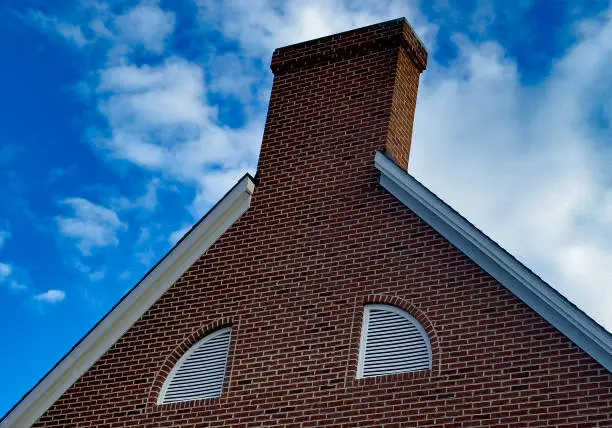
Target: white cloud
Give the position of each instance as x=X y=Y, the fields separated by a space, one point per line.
x=93 y=275
x=145 y=25
x=178 y=234
x=97 y=275
x=148 y=201
x=5 y=271
x=145 y=257
x=7 y=276
x=91 y=225
x=143 y=249
x=17 y=286
x=169 y=94
x=159 y=119
x=527 y=165
x=214 y=184
x=524 y=163
x=5 y=234
x=51 y=296
x=144 y=236
x=81 y=267
x=238 y=76
x=262 y=25
x=159 y=116
x=66 y=30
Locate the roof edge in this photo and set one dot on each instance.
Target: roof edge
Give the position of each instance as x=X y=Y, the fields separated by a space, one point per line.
x=501 y=265
x=132 y=306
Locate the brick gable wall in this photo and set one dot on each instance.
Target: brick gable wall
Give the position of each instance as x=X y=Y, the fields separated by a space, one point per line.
x=292 y=275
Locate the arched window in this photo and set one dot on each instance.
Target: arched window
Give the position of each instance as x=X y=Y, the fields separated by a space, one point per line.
x=392 y=341
x=199 y=373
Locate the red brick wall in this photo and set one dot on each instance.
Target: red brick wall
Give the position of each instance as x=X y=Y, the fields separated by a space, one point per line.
x=292 y=276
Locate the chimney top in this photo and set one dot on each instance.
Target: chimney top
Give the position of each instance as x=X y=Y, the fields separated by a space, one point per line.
x=351 y=43
x=338 y=99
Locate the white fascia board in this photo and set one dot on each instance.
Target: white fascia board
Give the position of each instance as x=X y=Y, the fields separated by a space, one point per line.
x=106 y=333
x=522 y=282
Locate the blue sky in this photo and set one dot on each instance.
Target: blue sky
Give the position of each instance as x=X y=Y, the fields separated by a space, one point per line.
x=122 y=122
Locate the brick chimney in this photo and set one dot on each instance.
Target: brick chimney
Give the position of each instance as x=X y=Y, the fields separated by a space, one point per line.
x=338 y=99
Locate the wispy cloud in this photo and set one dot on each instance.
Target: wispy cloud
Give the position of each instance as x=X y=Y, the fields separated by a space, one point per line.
x=143 y=27
x=91 y=225
x=159 y=119
x=51 y=296
x=92 y=274
x=5 y=271
x=527 y=164
x=159 y=116
x=97 y=275
x=17 y=286
x=262 y=26
x=178 y=234
x=7 y=276
x=147 y=201
x=143 y=248
x=5 y=234
x=51 y=24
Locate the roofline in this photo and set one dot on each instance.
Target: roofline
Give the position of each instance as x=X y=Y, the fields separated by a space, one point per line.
x=501 y=265
x=133 y=305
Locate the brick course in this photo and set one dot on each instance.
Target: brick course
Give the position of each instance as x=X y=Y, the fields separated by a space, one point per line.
x=320 y=240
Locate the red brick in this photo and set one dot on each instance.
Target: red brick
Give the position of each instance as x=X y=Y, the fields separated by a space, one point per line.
x=321 y=239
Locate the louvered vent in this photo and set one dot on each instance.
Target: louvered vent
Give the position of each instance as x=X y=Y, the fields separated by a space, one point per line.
x=392 y=341
x=200 y=372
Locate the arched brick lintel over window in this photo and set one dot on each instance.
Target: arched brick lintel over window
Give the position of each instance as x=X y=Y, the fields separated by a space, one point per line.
x=184 y=346
x=412 y=310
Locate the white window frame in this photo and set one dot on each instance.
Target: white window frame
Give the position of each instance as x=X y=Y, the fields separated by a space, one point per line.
x=179 y=363
x=365 y=327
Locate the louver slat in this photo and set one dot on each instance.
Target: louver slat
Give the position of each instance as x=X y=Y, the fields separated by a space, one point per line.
x=392 y=342
x=201 y=371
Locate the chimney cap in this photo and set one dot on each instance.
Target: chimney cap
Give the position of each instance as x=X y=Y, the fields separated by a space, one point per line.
x=396 y=32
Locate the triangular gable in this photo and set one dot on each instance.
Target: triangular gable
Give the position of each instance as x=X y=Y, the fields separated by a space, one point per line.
x=528 y=287
x=132 y=306
x=512 y=274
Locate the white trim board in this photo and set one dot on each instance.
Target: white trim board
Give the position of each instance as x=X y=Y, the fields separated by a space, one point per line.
x=106 y=333
x=522 y=282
